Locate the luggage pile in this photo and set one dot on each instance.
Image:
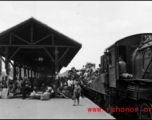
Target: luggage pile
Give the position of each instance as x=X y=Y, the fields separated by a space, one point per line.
x=42 y=95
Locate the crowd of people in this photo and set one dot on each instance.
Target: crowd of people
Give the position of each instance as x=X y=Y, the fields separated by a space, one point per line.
x=25 y=87
x=83 y=76
x=76 y=80
x=70 y=86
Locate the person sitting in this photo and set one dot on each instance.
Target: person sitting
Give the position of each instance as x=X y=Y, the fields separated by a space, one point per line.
x=35 y=83
x=122 y=69
x=28 y=86
x=61 y=92
x=49 y=89
x=14 y=87
x=4 y=82
x=47 y=93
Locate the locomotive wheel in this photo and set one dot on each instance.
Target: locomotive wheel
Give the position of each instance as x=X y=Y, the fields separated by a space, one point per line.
x=145 y=112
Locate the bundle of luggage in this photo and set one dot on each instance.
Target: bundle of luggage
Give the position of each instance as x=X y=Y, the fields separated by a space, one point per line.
x=4 y=93
x=35 y=95
x=45 y=96
x=40 y=95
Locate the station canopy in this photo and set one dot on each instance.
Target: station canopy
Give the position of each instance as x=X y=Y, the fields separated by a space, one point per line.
x=37 y=46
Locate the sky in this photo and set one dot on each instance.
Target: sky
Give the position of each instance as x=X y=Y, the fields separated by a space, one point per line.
x=94 y=24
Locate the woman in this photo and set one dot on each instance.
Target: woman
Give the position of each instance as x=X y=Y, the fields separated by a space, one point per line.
x=76 y=94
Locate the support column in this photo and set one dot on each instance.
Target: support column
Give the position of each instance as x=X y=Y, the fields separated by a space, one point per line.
x=24 y=71
x=0 y=67
x=37 y=74
x=20 y=71
x=17 y=71
x=56 y=67
x=31 y=73
x=56 y=62
x=6 y=60
x=14 y=70
x=28 y=72
x=34 y=74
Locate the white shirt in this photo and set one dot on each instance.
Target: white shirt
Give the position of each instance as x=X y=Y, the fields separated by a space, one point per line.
x=50 y=88
x=85 y=74
x=69 y=82
x=72 y=82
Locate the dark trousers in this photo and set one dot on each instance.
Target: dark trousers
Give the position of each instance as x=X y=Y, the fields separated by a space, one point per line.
x=23 y=93
x=82 y=91
x=72 y=88
x=77 y=97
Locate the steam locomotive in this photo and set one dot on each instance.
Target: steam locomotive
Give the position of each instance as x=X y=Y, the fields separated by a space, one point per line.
x=110 y=90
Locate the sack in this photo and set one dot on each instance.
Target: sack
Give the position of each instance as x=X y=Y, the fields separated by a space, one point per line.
x=11 y=95
x=33 y=93
x=45 y=97
x=5 y=93
x=18 y=90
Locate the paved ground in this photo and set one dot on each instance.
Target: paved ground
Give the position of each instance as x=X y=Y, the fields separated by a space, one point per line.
x=56 y=108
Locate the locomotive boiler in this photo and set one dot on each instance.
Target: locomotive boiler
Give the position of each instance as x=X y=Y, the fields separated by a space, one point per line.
x=110 y=90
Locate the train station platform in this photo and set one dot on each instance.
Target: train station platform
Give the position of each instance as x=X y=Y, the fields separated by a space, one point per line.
x=55 y=108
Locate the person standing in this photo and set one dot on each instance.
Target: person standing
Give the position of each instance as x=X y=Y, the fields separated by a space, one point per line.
x=76 y=94
x=122 y=65
x=70 y=87
x=24 y=87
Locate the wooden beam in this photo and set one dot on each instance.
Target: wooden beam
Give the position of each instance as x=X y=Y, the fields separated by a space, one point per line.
x=37 y=46
x=21 y=39
x=63 y=54
x=62 y=36
x=42 y=39
x=14 y=70
x=31 y=73
x=24 y=71
x=6 y=60
x=28 y=72
x=48 y=54
x=20 y=71
x=14 y=54
x=56 y=60
x=16 y=28
x=65 y=38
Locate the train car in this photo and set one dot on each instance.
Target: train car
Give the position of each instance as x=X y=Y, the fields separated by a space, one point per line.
x=121 y=94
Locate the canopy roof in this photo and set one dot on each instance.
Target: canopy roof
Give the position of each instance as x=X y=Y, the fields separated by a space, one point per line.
x=35 y=45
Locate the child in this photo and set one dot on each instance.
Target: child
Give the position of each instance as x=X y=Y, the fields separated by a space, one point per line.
x=77 y=93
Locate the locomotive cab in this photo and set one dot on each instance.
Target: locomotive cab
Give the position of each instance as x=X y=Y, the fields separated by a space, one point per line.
x=112 y=55
x=114 y=80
